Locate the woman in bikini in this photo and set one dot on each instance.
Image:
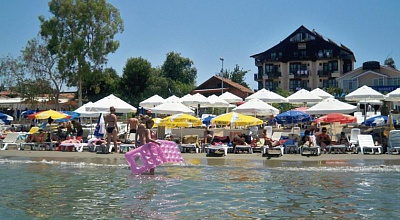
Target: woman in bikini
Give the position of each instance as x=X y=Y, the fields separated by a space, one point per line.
x=147 y=135
x=112 y=128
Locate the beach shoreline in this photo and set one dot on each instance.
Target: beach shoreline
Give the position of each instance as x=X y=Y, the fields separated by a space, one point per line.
x=196 y=158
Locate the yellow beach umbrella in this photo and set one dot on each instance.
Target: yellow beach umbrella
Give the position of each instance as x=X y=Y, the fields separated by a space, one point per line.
x=180 y=120
x=49 y=114
x=236 y=119
x=156 y=122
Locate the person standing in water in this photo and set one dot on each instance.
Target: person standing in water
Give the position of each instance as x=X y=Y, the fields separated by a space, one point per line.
x=112 y=128
x=146 y=135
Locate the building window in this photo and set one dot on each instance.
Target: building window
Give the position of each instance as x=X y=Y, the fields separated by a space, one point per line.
x=294 y=67
x=330 y=83
x=273 y=56
x=301 y=46
x=350 y=85
x=330 y=67
x=296 y=84
x=378 y=82
x=269 y=68
x=271 y=85
x=393 y=81
x=303 y=53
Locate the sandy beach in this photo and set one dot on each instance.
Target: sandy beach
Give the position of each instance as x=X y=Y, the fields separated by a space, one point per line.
x=193 y=158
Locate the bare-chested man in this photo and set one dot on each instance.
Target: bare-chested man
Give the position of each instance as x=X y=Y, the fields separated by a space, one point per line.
x=112 y=128
x=132 y=125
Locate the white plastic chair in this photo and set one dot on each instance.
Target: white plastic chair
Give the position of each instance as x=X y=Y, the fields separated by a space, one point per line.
x=10 y=139
x=367 y=142
x=394 y=141
x=296 y=130
x=269 y=131
x=315 y=147
x=353 y=141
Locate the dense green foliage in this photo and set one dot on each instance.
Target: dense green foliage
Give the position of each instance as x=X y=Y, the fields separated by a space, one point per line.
x=81 y=33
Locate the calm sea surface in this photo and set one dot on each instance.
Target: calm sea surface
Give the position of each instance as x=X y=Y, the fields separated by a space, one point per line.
x=213 y=189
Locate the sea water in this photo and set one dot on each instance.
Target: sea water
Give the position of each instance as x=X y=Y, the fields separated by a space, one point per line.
x=202 y=189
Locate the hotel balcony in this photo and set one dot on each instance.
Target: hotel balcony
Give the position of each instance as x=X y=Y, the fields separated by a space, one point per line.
x=322 y=73
x=260 y=77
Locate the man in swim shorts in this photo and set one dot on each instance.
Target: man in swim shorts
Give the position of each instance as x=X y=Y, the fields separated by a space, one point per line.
x=132 y=125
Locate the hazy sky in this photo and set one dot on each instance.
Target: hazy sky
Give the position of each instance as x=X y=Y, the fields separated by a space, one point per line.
x=205 y=30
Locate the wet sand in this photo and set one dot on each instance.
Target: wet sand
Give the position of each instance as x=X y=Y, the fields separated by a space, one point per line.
x=196 y=158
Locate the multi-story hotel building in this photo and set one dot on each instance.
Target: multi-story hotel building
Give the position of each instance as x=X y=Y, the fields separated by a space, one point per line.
x=305 y=59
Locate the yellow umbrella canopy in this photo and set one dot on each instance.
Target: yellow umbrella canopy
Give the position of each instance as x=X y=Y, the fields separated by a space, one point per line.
x=156 y=122
x=180 y=120
x=49 y=114
x=236 y=119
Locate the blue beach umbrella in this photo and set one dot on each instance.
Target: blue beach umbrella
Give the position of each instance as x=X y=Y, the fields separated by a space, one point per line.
x=292 y=117
x=27 y=112
x=379 y=120
x=73 y=115
x=207 y=120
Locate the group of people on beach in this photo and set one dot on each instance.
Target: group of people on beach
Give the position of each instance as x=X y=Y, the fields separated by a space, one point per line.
x=140 y=127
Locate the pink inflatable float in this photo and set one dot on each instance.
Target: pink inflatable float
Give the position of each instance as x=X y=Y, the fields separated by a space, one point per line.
x=151 y=155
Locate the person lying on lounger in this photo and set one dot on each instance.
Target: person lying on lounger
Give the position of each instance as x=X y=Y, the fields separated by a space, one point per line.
x=36 y=138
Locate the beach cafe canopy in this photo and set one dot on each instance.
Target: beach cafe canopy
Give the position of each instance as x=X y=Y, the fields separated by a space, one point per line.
x=267 y=96
x=331 y=105
x=256 y=107
x=152 y=101
x=303 y=96
x=104 y=104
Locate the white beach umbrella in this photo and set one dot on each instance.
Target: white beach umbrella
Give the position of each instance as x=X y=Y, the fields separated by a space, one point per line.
x=171 y=108
x=185 y=98
x=331 y=105
x=364 y=93
x=321 y=93
x=231 y=98
x=256 y=107
x=267 y=96
x=104 y=104
x=217 y=102
x=393 y=96
x=194 y=100
x=152 y=102
x=173 y=98
x=83 y=113
x=303 y=96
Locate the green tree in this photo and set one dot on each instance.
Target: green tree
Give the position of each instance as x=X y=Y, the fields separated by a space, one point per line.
x=179 y=69
x=44 y=66
x=81 y=33
x=283 y=107
x=98 y=83
x=238 y=76
x=135 y=77
x=16 y=77
x=390 y=63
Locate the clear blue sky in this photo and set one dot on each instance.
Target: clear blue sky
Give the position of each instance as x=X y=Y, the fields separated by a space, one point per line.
x=205 y=30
